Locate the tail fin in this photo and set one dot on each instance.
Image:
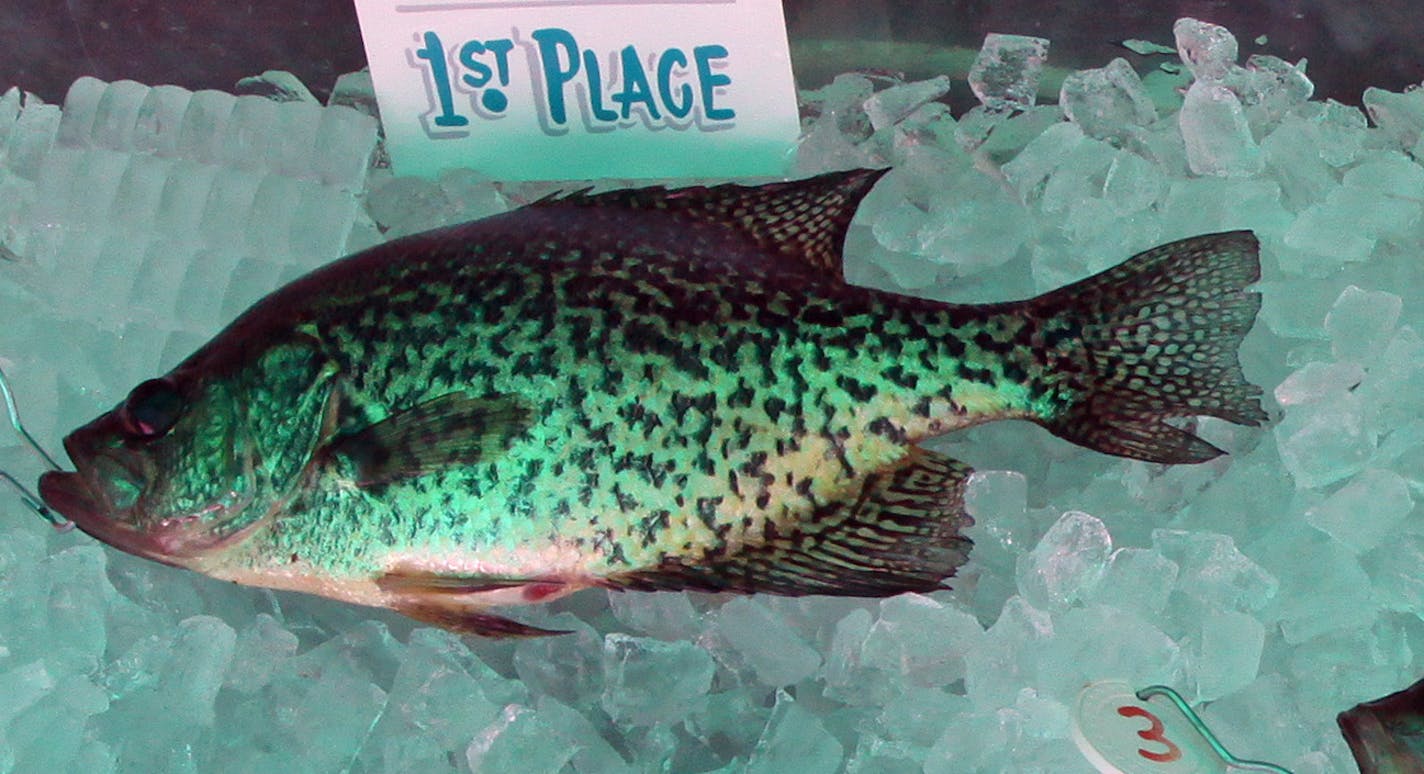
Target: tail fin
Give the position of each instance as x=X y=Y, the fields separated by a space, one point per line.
x=1152 y=338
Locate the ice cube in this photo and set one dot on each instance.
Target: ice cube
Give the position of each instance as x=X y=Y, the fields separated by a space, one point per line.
x=1217 y=135
x=1400 y=117
x=1099 y=643
x=794 y=740
x=666 y=616
x=345 y=139
x=257 y=652
x=202 y=133
x=81 y=103
x=921 y=639
x=1362 y=322
x=276 y=86
x=518 y=741
x=774 y=652
x=1317 y=381
x=1209 y=50
x=1229 y=655
x=1213 y=570
x=354 y=90
x=1365 y=512
x=1137 y=580
x=22 y=686
x=1293 y=154
x=1332 y=593
x=295 y=149
x=648 y=681
x=116 y=117
x=1270 y=87
x=1132 y=183
x=889 y=106
x=250 y=133
x=1006 y=72
x=1009 y=656
x=1067 y=563
x=1321 y=443
x=159 y=120
x=1108 y=103
x=31 y=138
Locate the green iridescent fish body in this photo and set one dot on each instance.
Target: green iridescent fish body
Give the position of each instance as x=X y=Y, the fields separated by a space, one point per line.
x=641 y=389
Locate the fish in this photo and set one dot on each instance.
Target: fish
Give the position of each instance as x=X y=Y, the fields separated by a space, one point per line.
x=637 y=390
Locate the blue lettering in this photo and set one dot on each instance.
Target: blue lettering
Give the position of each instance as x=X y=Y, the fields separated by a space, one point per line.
x=636 y=88
x=677 y=108
x=434 y=53
x=595 y=89
x=708 y=81
x=479 y=73
x=551 y=40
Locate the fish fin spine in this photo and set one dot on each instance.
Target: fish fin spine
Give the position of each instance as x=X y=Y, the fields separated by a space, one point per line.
x=1153 y=338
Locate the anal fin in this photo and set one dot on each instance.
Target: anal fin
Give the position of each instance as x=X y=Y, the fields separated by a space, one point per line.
x=901 y=532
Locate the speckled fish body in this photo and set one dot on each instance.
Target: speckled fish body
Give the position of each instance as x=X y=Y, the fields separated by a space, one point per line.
x=642 y=389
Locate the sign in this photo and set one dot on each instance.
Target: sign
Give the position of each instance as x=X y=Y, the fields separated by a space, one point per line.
x=575 y=89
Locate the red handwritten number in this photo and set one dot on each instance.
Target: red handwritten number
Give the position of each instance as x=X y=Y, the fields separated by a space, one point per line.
x=1152 y=734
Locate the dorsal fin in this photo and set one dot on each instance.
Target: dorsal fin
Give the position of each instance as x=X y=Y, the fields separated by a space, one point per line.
x=803 y=220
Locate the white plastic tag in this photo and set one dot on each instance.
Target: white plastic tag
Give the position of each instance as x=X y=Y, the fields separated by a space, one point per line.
x=574 y=89
x=1122 y=734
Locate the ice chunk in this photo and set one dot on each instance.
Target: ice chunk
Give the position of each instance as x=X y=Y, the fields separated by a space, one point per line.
x=201 y=135
x=1229 y=654
x=406 y=205
x=775 y=653
x=1332 y=593
x=1270 y=87
x=1067 y=563
x=81 y=103
x=160 y=117
x=31 y=138
x=345 y=139
x=518 y=741
x=1137 y=580
x=1365 y=512
x=250 y=133
x=1217 y=135
x=276 y=86
x=1132 y=183
x=116 y=117
x=1209 y=50
x=1316 y=381
x=648 y=681
x=354 y=90
x=257 y=652
x=1293 y=154
x=890 y=106
x=1361 y=323
x=1010 y=654
x=1323 y=442
x=666 y=616
x=22 y=686
x=568 y=667
x=921 y=639
x=1400 y=117
x=1005 y=75
x=794 y=740
x=1108 y=103
x=1213 y=570
x=1100 y=642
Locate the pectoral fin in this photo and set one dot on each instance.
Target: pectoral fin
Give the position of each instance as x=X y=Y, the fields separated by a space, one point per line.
x=902 y=532
x=445 y=600
x=452 y=430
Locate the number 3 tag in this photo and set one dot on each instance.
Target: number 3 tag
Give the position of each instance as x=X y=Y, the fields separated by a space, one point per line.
x=1122 y=734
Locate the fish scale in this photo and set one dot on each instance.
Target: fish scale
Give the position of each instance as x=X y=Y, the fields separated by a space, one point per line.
x=642 y=389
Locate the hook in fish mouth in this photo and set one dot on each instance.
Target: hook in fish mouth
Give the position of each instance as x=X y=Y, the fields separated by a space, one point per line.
x=68 y=493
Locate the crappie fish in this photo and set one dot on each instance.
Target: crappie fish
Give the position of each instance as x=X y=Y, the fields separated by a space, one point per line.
x=642 y=389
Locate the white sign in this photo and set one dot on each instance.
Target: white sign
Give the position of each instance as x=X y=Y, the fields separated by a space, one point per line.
x=573 y=89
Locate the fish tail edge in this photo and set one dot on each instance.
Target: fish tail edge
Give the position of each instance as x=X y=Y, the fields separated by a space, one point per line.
x=1153 y=338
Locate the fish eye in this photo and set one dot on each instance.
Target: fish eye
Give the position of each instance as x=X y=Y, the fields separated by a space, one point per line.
x=151 y=409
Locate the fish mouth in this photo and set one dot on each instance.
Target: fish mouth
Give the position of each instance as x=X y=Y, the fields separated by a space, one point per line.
x=70 y=495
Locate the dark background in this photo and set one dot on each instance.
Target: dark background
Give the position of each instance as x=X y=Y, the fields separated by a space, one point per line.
x=46 y=44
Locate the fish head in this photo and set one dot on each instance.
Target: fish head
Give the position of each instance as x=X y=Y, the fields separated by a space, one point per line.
x=169 y=474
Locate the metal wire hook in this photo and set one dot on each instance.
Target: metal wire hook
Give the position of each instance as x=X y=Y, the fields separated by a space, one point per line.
x=29 y=498
x=1200 y=726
